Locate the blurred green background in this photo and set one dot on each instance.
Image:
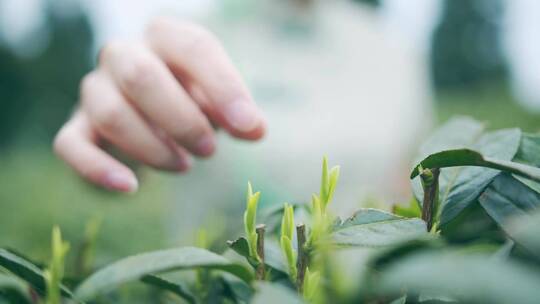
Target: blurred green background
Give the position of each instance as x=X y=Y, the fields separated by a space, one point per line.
x=38 y=92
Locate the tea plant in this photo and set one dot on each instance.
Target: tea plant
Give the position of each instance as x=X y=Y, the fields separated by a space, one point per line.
x=469 y=235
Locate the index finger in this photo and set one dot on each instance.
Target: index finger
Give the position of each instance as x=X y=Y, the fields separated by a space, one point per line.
x=196 y=56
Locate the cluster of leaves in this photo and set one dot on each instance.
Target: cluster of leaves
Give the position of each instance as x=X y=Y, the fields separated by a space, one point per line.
x=469 y=235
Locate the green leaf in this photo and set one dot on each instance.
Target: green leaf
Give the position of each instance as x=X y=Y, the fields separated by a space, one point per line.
x=273 y=256
x=164 y=284
x=524 y=231
x=529 y=149
x=290 y=254
x=472 y=278
x=27 y=271
x=460 y=186
x=506 y=197
x=137 y=266
x=240 y=246
x=374 y=228
x=325 y=179
x=268 y=293
x=14 y=289
x=529 y=153
x=467 y=157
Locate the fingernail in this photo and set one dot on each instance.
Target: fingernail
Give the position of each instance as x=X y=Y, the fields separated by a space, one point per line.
x=206 y=145
x=242 y=115
x=184 y=163
x=120 y=181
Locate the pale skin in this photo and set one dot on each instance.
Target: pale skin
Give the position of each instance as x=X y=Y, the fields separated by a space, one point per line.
x=156 y=100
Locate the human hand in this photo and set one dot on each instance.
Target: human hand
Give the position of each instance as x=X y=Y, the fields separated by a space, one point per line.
x=156 y=100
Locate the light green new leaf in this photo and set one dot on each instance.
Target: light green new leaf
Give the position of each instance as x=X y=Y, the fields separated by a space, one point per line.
x=411 y=211
x=290 y=254
x=506 y=197
x=473 y=278
x=137 y=266
x=375 y=228
x=460 y=186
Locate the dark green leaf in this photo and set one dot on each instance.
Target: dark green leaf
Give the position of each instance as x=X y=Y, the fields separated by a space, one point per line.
x=236 y=289
x=137 y=266
x=475 y=278
x=467 y=157
x=27 y=271
x=240 y=246
x=13 y=289
x=273 y=256
x=460 y=186
x=164 y=284
x=507 y=197
x=374 y=228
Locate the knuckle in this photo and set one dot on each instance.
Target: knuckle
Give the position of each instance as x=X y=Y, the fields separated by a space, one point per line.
x=160 y=25
x=109 y=118
x=198 y=39
x=188 y=132
x=110 y=50
x=139 y=72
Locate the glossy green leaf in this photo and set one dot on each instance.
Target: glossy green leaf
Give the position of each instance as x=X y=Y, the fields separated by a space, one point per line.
x=374 y=228
x=137 y=266
x=507 y=197
x=27 y=271
x=467 y=157
x=460 y=186
x=164 y=284
x=268 y=293
x=471 y=278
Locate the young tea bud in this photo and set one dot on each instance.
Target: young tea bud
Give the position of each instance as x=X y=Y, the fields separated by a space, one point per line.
x=311 y=284
x=250 y=218
x=287 y=231
x=55 y=272
x=328 y=184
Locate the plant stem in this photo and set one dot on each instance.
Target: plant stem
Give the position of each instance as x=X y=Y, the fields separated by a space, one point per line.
x=260 y=251
x=302 y=260
x=430 y=184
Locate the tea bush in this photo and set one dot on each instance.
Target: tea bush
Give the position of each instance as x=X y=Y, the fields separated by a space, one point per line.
x=469 y=235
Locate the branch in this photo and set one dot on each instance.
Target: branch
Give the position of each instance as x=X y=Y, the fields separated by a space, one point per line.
x=430 y=184
x=260 y=273
x=302 y=261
